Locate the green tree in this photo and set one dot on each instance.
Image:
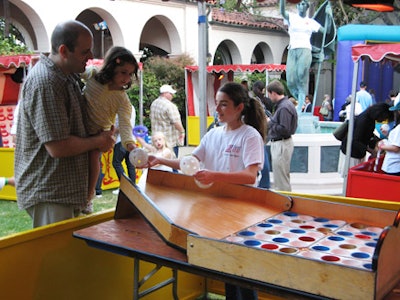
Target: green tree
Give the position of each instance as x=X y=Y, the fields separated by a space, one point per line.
x=13 y=43
x=156 y=72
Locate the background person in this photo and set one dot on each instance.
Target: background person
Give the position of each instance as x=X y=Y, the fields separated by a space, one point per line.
x=391 y=146
x=307 y=107
x=232 y=152
x=165 y=118
x=258 y=92
x=364 y=139
x=327 y=107
x=51 y=155
x=363 y=97
x=281 y=126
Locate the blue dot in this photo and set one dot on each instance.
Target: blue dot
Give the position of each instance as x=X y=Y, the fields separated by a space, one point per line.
x=360 y=255
x=297 y=231
x=290 y=214
x=336 y=238
x=247 y=233
x=266 y=225
x=331 y=226
x=368 y=266
x=371 y=244
x=321 y=220
x=252 y=243
x=275 y=221
x=345 y=233
x=281 y=240
x=368 y=233
x=320 y=248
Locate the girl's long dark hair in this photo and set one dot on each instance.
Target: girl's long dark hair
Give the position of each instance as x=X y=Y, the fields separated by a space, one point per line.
x=116 y=56
x=253 y=112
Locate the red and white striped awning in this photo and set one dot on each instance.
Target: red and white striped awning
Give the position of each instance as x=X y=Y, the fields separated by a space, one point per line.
x=14 y=61
x=376 y=52
x=240 y=68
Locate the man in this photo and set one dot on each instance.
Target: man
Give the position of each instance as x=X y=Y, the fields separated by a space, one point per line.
x=165 y=117
x=281 y=126
x=307 y=104
x=363 y=97
x=299 y=55
x=51 y=154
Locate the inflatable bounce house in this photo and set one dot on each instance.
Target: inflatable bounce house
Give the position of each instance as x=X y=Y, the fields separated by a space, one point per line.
x=378 y=74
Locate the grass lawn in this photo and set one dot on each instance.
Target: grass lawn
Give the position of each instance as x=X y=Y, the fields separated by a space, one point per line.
x=14 y=220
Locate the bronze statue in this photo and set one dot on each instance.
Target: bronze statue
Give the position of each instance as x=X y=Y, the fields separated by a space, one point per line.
x=300 y=54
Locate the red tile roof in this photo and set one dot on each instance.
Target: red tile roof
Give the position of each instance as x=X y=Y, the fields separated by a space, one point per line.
x=247 y=19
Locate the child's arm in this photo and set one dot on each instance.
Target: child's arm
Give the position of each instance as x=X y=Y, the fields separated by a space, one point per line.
x=168 y=153
x=145 y=145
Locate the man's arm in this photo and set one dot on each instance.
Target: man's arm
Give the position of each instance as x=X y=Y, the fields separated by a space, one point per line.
x=75 y=145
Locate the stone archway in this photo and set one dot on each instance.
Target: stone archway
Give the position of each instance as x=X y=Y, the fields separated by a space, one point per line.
x=160 y=36
x=227 y=53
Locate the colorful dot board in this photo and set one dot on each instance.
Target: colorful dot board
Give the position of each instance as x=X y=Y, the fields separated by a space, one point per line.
x=311 y=237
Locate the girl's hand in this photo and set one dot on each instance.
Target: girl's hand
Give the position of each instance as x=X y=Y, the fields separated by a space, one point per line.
x=204 y=176
x=152 y=161
x=381 y=144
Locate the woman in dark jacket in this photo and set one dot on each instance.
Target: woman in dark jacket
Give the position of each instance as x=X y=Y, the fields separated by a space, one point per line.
x=364 y=140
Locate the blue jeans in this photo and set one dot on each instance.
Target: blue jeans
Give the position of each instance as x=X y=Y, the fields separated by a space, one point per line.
x=99 y=182
x=176 y=151
x=121 y=154
x=265 y=180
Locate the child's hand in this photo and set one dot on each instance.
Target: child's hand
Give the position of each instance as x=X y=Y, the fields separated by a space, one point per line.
x=130 y=147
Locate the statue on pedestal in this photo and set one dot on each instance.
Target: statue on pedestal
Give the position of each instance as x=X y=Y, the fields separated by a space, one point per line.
x=301 y=50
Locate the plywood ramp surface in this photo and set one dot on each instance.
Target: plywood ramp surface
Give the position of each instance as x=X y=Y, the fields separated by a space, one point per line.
x=213 y=212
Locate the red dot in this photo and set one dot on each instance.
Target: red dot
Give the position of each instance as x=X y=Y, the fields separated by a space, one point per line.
x=363 y=236
x=306 y=239
x=269 y=246
x=330 y=258
x=306 y=227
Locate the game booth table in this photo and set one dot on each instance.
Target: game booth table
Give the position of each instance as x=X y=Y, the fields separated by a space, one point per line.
x=289 y=246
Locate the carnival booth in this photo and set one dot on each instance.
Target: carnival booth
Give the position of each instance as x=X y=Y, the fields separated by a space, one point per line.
x=381 y=75
x=13 y=69
x=367 y=180
x=216 y=76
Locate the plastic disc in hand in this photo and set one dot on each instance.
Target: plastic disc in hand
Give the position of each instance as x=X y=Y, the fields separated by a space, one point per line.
x=138 y=157
x=189 y=165
x=202 y=185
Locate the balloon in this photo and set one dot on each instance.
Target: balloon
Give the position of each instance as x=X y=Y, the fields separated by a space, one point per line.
x=140 y=131
x=138 y=157
x=189 y=165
